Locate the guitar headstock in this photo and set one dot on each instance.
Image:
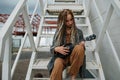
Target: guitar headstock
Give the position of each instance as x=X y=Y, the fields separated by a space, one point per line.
x=91 y=37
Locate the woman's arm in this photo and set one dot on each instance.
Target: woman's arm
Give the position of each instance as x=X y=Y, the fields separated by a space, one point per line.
x=58 y=49
x=81 y=38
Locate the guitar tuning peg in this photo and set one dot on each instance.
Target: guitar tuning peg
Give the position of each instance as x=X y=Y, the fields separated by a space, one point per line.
x=87 y=38
x=91 y=37
x=94 y=36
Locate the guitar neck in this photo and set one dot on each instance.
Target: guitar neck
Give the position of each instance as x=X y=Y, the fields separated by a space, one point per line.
x=91 y=37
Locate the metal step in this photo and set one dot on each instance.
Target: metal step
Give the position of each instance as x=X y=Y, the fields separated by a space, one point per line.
x=53 y=11
x=41 y=64
x=46 y=48
x=65 y=0
x=53 y=22
x=57 y=8
x=56 y=16
x=83 y=25
x=64 y=6
x=63 y=79
x=47 y=35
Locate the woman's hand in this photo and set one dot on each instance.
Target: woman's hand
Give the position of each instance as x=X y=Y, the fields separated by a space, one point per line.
x=82 y=43
x=62 y=50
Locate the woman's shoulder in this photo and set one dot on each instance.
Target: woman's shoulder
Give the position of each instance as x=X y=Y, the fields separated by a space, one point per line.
x=79 y=30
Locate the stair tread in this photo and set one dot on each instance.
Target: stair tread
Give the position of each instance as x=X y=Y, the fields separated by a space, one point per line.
x=65 y=6
x=56 y=8
x=64 y=79
x=56 y=16
x=42 y=64
x=56 y=25
x=64 y=0
x=90 y=46
x=46 y=48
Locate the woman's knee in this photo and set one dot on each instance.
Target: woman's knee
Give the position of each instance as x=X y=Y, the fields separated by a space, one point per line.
x=59 y=62
x=79 y=47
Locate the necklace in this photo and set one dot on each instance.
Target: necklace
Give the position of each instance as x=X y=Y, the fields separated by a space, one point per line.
x=68 y=35
x=68 y=31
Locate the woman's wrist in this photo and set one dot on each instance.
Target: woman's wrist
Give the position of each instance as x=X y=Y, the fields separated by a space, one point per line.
x=55 y=49
x=82 y=43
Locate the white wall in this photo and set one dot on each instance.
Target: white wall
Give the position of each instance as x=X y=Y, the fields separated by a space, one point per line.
x=110 y=67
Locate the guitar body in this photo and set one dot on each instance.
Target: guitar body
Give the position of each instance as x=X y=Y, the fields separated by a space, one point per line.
x=70 y=46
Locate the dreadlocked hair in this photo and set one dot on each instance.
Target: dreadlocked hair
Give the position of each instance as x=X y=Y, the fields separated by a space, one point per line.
x=61 y=27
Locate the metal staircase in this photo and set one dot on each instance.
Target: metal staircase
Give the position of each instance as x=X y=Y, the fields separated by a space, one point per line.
x=46 y=32
x=47 y=28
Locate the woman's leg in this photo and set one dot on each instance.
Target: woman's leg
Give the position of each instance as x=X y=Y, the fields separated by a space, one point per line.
x=56 y=73
x=76 y=60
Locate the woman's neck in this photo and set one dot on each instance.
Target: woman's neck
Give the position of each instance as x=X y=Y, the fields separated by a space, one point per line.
x=68 y=28
x=68 y=31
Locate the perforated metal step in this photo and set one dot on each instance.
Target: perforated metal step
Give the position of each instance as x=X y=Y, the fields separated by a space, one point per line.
x=56 y=16
x=42 y=64
x=63 y=79
x=64 y=0
x=56 y=9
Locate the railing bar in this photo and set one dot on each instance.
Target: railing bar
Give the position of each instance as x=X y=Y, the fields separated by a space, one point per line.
x=39 y=32
x=98 y=11
x=2 y=47
x=88 y=7
x=41 y=7
x=9 y=25
x=113 y=49
x=41 y=23
x=28 y=27
x=102 y=77
x=30 y=66
x=19 y=52
x=46 y=4
x=6 y=65
x=18 y=55
x=84 y=7
x=96 y=54
x=116 y=4
x=12 y=18
x=104 y=27
x=36 y=6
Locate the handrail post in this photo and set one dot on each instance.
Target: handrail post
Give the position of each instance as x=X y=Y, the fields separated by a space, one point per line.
x=6 y=65
x=88 y=7
x=28 y=28
x=41 y=7
x=104 y=28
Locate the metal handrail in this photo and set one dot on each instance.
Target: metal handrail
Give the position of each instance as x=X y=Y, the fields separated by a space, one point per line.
x=116 y=5
x=109 y=39
x=7 y=32
x=8 y=26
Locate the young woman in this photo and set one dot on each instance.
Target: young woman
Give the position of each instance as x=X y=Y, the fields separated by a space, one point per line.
x=66 y=33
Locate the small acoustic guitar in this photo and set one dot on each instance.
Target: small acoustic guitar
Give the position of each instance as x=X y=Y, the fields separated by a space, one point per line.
x=70 y=46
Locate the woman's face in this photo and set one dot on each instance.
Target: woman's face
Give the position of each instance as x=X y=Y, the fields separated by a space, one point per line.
x=69 y=20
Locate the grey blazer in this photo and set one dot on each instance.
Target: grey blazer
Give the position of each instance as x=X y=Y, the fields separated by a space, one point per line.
x=78 y=38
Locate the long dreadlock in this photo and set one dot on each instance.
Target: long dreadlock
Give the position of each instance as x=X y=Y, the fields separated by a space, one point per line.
x=62 y=27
